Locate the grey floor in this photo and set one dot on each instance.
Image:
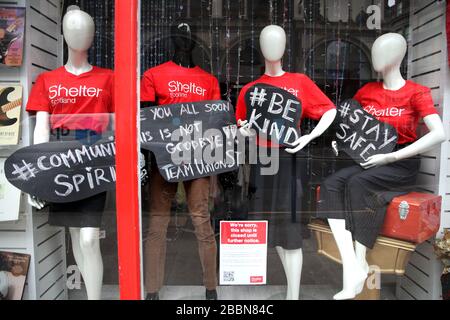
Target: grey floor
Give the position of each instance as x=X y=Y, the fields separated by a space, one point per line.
x=321 y=278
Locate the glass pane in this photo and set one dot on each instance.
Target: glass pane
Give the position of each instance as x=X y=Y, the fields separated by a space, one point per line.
x=207 y=235
x=60 y=151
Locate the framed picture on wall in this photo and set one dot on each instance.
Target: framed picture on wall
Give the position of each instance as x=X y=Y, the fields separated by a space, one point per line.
x=13 y=275
x=10 y=110
x=12 y=26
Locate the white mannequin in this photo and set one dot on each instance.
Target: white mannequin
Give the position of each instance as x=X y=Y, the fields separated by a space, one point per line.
x=273 y=46
x=78 y=29
x=388 y=53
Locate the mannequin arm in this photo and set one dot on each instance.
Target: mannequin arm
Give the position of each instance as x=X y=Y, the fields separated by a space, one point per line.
x=42 y=129
x=323 y=125
x=41 y=135
x=434 y=138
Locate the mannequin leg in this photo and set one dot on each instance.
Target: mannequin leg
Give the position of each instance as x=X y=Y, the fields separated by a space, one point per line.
x=292 y=261
x=361 y=252
x=93 y=263
x=76 y=249
x=354 y=274
x=197 y=193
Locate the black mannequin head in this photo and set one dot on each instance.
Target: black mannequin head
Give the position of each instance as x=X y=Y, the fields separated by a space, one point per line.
x=182 y=38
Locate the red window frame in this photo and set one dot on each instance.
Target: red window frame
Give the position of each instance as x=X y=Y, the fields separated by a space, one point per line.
x=127 y=189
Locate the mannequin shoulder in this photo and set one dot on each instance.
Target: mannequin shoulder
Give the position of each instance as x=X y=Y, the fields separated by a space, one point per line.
x=370 y=87
x=158 y=69
x=416 y=87
x=104 y=71
x=53 y=74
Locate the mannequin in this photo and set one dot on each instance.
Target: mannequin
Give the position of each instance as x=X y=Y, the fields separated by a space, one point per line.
x=163 y=85
x=273 y=46
x=388 y=53
x=78 y=30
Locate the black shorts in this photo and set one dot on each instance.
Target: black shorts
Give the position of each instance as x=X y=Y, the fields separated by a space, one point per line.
x=361 y=197
x=272 y=200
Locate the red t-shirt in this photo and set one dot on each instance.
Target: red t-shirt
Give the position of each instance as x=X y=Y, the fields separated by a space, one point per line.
x=314 y=102
x=402 y=108
x=74 y=102
x=170 y=83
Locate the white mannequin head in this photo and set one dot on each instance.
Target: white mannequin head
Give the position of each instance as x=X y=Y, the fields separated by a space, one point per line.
x=78 y=29
x=273 y=43
x=388 y=52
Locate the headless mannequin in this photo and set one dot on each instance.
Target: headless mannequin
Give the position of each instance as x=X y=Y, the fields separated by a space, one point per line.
x=388 y=53
x=273 y=46
x=182 y=39
x=78 y=29
x=181 y=36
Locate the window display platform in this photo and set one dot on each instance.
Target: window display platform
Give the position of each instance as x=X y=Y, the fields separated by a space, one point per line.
x=309 y=292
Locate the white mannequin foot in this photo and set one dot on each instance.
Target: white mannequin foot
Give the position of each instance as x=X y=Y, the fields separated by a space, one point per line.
x=354 y=287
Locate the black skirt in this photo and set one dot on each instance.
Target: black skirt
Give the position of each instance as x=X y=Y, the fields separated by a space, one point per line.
x=361 y=197
x=273 y=199
x=85 y=213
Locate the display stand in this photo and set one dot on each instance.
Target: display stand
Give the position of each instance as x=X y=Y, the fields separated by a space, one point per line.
x=31 y=234
x=390 y=255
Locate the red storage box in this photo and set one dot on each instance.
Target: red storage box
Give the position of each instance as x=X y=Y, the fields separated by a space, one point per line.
x=414 y=217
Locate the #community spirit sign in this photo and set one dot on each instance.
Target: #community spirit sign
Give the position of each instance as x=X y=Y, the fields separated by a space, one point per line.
x=190 y=141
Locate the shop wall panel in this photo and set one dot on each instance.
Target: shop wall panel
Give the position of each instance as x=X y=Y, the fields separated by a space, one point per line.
x=44 y=59
x=9 y=75
x=49 y=8
x=43 y=41
x=31 y=234
x=48 y=247
x=428 y=66
x=39 y=21
x=54 y=290
x=48 y=261
x=52 y=284
x=428 y=165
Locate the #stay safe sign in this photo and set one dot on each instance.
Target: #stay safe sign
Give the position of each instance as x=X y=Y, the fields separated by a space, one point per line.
x=361 y=135
x=243 y=253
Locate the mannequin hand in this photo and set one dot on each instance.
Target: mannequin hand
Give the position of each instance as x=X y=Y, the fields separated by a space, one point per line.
x=300 y=144
x=36 y=203
x=246 y=129
x=379 y=160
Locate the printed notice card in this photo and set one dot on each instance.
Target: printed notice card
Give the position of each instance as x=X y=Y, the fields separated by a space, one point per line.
x=243 y=252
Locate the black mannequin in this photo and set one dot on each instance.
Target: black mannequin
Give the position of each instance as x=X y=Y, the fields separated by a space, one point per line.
x=181 y=35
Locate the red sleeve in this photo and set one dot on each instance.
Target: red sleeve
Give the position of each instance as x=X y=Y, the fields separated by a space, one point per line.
x=315 y=103
x=147 y=88
x=422 y=102
x=241 y=107
x=38 y=99
x=215 y=93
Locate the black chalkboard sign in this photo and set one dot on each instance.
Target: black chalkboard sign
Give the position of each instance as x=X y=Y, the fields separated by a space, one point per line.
x=62 y=172
x=274 y=113
x=361 y=135
x=191 y=140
